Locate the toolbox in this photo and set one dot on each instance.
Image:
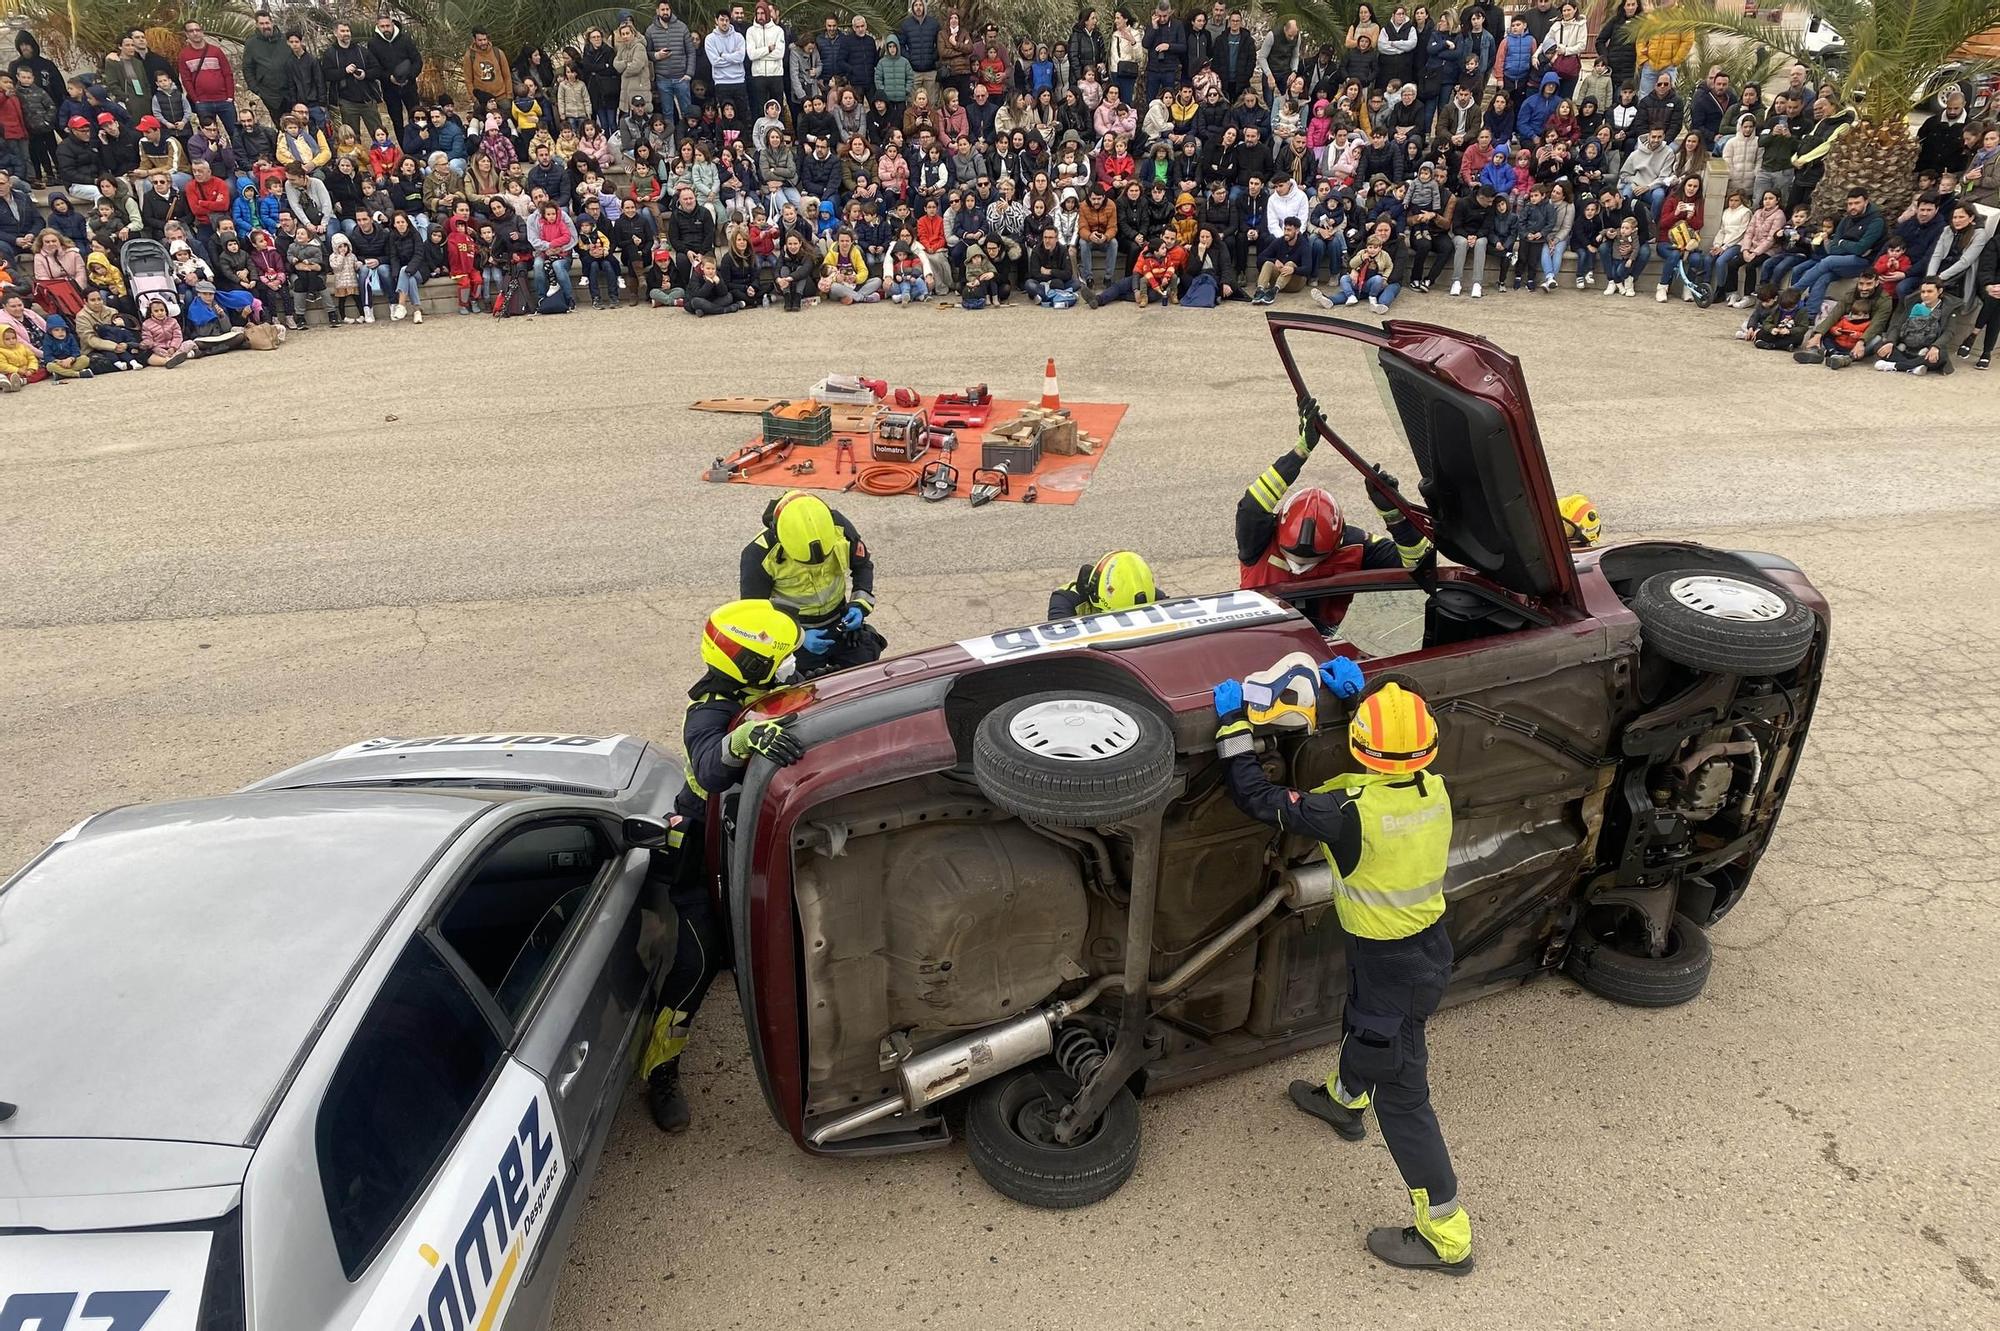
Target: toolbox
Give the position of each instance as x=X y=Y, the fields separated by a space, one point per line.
x=1018 y=456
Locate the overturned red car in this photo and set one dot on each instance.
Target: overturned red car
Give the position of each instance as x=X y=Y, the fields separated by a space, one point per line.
x=1005 y=891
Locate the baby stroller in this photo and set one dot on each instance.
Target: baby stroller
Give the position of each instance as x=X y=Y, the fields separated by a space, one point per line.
x=149 y=274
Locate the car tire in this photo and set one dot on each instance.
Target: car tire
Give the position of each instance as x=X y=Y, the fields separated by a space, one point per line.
x=1022 y=1163
x=1730 y=625
x=1599 y=964
x=1073 y=759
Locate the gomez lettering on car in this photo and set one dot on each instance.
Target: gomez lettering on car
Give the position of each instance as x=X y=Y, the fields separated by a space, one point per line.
x=487 y=1213
x=131 y=1281
x=1119 y=628
x=462 y=743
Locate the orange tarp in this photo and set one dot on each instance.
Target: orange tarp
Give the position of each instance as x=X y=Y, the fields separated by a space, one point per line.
x=1058 y=480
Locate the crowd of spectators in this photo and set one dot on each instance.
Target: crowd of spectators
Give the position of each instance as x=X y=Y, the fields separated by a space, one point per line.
x=1176 y=159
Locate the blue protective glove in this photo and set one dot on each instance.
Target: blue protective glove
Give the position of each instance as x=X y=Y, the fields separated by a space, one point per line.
x=852 y=619
x=819 y=641
x=1343 y=677
x=1229 y=700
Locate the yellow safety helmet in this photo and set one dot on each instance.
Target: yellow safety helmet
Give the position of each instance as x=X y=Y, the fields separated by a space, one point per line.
x=1580 y=523
x=749 y=640
x=1393 y=731
x=1119 y=581
x=804 y=527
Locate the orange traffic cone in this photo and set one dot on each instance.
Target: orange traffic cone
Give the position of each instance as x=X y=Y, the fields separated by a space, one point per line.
x=1051 y=399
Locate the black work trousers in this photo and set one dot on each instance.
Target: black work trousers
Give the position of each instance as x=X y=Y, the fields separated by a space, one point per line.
x=701 y=949
x=1392 y=989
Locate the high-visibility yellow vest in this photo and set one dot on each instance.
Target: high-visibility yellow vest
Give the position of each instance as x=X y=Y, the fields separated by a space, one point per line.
x=809 y=592
x=1397 y=887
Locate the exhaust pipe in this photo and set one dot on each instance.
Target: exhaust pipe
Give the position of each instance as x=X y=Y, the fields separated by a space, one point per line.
x=950 y=1068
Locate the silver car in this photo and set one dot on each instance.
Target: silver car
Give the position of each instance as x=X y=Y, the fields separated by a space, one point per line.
x=339 y=1050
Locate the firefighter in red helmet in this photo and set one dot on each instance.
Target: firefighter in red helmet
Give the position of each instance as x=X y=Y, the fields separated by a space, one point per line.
x=1285 y=537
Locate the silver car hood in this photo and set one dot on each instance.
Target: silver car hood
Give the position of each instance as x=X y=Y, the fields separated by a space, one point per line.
x=82 y=1183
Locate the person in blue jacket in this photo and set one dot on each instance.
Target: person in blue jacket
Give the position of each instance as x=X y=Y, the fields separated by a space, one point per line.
x=1536 y=109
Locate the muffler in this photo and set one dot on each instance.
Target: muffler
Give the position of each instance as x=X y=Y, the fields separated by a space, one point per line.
x=950 y=1068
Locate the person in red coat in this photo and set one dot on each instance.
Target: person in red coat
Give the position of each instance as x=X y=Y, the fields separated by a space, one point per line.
x=207 y=198
x=208 y=79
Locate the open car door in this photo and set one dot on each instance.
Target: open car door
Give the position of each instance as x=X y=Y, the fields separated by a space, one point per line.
x=1458 y=407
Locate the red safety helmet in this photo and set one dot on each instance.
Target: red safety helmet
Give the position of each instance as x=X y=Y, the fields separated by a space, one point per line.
x=1309 y=527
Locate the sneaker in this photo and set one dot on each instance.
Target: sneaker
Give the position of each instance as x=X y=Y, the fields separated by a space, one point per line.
x=1627 y=288
x=1838 y=360
x=1742 y=334
x=1378 y=307
x=1965 y=349
x=1549 y=282
x=368 y=314
x=1687 y=295
x=1582 y=282
x=1610 y=288
x=1660 y=293
x=1740 y=302
x=398 y=312
x=1313 y=1098
x=1591 y=279
x=1353 y=299
x=416 y=316
x=1476 y=292
x=1407 y=1248
x=1979 y=364
x=1886 y=366
x=1321 y=299
x=1920 y=369
x=174 y=362
x=1457 y=289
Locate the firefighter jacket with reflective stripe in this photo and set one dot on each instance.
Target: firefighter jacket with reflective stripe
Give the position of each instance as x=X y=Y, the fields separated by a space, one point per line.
x=713 y=706
x=814 y=594
x=1396 y=887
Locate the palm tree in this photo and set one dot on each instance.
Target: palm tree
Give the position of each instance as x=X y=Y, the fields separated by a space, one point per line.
x=1895 y=49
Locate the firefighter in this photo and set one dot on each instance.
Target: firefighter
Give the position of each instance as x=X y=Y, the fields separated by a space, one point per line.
x=743 y=645
x=1283 y=539
x=1387 y=832
x=1119 y=581
x=811 y=563
x=1581 y=526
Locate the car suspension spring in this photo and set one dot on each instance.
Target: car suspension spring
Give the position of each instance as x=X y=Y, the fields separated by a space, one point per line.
x=1079 y=1053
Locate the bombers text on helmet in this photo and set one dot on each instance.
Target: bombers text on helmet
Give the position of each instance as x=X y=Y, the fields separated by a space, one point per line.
x=1393 y=731
x=748 y=641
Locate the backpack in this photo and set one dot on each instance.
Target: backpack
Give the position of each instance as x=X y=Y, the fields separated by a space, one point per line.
x=1200 y=293
x=554 y=301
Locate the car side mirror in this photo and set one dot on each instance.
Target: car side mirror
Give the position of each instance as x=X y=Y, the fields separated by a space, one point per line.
x=649 y=833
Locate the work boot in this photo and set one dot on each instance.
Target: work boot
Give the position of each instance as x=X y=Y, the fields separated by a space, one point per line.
x=1406 y=1248
x=664 y=1098
x=1314 y=1099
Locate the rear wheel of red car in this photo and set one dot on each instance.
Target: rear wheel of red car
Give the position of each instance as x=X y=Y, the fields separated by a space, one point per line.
x=1607 y=957
x=1009 y=1135
x=1073 y=759
x=1712 y=621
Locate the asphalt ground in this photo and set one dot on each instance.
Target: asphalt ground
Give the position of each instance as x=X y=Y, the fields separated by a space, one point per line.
x=208 y=574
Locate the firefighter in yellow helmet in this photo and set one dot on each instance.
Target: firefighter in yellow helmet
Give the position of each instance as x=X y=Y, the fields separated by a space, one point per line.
x=810 y=562
x=1580 y=522
x=743 y=645
x=1119 y=581
x=1387 y=832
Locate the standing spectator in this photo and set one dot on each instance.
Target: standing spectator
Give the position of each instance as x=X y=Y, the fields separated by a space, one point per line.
x=351 y=76
x=208 y=78
x=857 y=57
x=1713 y=110
x=919 y=34
x=1166 y=49
x=397 y=63
x=488 y=77
x=266 y=58
x=126 y=79
x=764 y=49
x=727 y=65
x=1941 y=141
x=672 y=48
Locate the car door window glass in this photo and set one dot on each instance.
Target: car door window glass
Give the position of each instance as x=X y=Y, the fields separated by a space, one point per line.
x=510 y=916
x=408 y=1081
